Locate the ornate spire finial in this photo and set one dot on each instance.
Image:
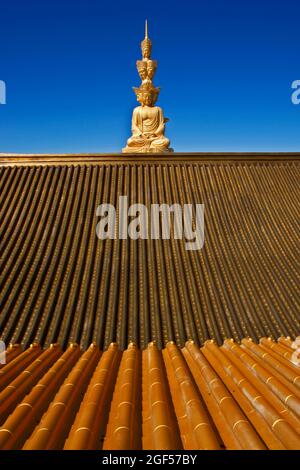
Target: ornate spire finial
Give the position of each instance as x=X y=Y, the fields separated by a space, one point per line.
x=146 y=29
x=146 y=44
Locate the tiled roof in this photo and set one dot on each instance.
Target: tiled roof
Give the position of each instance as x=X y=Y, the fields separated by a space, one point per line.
x=60 y=284
x=234 y=396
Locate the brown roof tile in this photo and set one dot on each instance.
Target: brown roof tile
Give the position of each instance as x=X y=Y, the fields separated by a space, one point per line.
x=123 y=429
x=22 y=420
x=55 y=424
x=59 y=283
x=235 y=429
x=88 y=430
x=17 y=365
x=12 y=351
x=160 y=428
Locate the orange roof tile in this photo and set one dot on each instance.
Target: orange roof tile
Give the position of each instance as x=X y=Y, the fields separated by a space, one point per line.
x=212 y=397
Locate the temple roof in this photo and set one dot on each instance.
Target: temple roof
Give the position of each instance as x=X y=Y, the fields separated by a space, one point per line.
x=161 y=372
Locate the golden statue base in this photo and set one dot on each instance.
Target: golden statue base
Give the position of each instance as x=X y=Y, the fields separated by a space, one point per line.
x=128 y=150
x=145 y=150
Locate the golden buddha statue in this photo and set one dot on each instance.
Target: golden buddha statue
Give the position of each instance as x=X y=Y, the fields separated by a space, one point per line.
x=148 y=122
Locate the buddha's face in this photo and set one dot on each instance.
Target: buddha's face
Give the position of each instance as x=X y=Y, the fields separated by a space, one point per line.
x=146 y=99
x=143 y=73
x=146 y=51
x=146 y=48
x=151 y=71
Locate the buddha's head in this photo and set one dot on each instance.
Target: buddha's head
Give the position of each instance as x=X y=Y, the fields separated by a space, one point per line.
x=147 y=94
x=142 y=69
x=151 y=68
x=146 y=46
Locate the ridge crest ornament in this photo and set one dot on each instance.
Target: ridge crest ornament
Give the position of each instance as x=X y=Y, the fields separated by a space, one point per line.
x=148 y=121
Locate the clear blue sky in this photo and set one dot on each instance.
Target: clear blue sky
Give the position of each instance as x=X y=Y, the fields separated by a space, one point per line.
x=225 y=70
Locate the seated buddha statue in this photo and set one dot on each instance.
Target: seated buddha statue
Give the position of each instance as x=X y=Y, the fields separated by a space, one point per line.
x=148 y=123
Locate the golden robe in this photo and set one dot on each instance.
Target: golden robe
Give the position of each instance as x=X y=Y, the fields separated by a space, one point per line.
x=148 y=125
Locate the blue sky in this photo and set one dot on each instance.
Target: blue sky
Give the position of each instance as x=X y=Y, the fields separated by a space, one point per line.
x=225 y=69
